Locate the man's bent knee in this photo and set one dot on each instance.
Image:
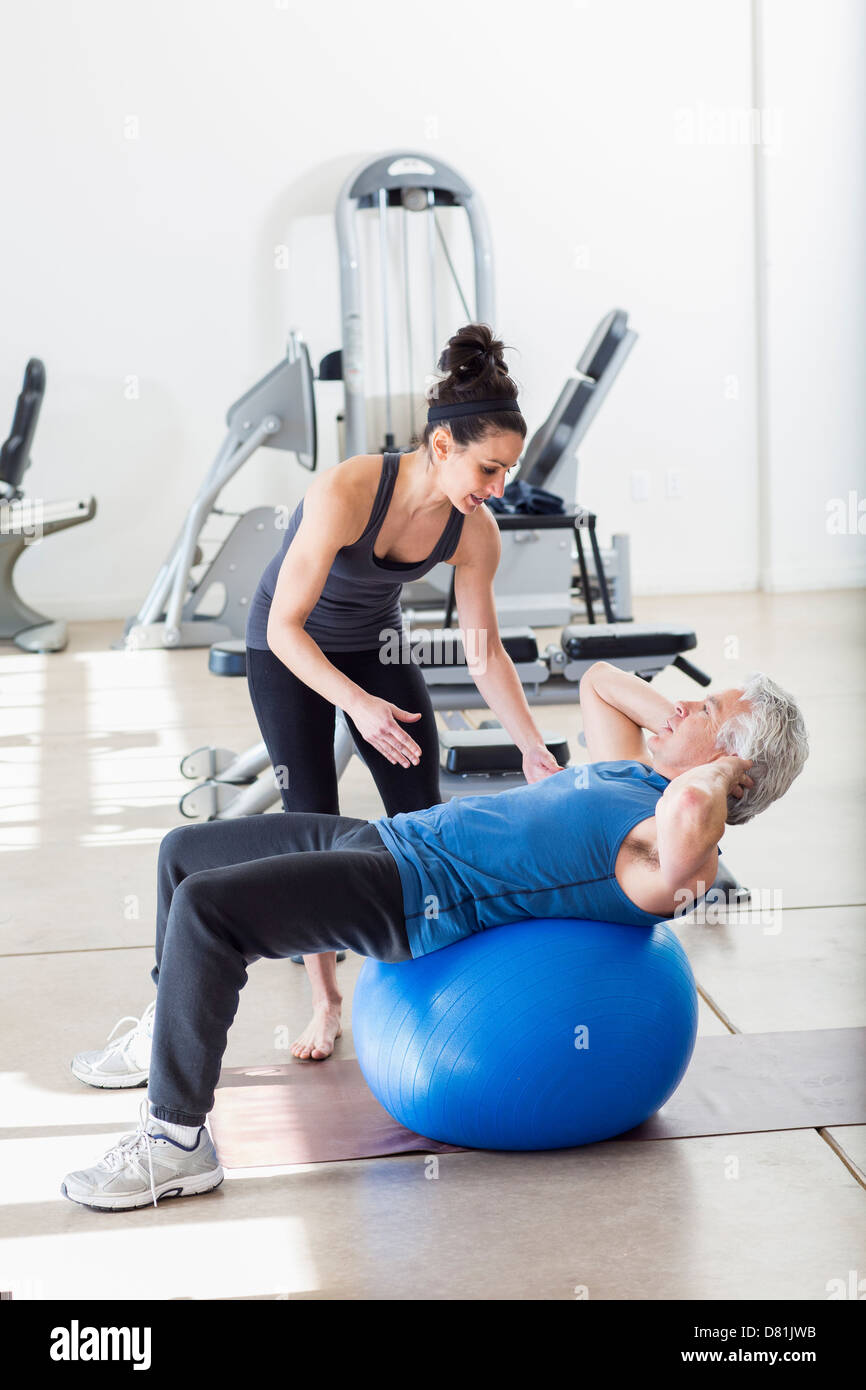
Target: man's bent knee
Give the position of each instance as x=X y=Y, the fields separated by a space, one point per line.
x=174 y=844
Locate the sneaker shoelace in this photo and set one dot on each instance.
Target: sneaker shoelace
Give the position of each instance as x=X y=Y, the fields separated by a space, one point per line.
x=132 y=1145
x=125 y=1041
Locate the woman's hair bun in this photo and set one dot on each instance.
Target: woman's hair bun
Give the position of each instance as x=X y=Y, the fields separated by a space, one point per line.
x=473 y=355
x=472 y=367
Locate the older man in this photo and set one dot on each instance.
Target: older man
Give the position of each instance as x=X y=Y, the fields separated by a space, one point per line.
x=625 y=837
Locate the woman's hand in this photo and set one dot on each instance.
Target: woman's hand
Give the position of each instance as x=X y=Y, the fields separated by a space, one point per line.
x=376 y=721
x=539 y=763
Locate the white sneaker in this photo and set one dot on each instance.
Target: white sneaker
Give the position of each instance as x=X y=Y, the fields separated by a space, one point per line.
x=144 y=1166
x=124 y=1061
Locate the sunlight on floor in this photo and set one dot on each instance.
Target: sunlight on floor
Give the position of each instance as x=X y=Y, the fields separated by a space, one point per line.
x=195 y=1258
x=22 y=708
x=24 y=1102
x=132 y=716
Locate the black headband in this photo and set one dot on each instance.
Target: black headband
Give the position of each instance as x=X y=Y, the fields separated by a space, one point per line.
x=446 y=412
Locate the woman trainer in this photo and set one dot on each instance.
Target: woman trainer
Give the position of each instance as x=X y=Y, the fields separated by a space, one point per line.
x=322 y=622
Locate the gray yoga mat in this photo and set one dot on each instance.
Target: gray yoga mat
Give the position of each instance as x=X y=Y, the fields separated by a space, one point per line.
x=319 y=1112
x=746 y=1082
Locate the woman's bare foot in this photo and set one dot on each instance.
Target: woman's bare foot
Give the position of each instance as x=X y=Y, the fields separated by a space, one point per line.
x=318 y=1038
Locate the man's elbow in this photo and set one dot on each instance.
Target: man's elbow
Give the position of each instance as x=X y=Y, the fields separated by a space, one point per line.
x=690 y=816
x=692 y=803
x=592 y=671
x=595 y=676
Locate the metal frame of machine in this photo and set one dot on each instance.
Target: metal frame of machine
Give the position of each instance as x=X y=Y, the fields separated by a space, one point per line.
x=25 y=521
x=279 y=412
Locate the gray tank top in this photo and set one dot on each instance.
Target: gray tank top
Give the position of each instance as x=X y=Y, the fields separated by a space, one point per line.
x=361 y=595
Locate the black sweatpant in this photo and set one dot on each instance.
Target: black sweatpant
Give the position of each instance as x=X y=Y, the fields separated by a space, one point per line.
x=231 y=892
x=297 y=725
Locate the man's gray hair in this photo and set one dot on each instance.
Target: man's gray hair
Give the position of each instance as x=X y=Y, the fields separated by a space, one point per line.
x=773 y=733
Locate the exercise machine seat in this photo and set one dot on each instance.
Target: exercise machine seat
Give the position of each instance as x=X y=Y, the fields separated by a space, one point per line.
x=229 y=657
x=603 y=641
x=465 y=751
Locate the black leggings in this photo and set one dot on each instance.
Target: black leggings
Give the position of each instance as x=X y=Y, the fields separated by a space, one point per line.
x=297 y=725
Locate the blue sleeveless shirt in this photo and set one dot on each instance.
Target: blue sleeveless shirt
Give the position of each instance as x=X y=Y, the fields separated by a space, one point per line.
x=541 y=850
x=361 y=595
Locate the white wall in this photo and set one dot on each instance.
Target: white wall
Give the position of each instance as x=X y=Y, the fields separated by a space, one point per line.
x=812 y=243
x=590 y=130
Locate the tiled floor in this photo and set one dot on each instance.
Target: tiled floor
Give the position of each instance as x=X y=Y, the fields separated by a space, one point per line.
x=89 y=753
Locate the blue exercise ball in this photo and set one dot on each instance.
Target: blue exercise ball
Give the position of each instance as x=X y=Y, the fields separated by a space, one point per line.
x=535 y=1035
